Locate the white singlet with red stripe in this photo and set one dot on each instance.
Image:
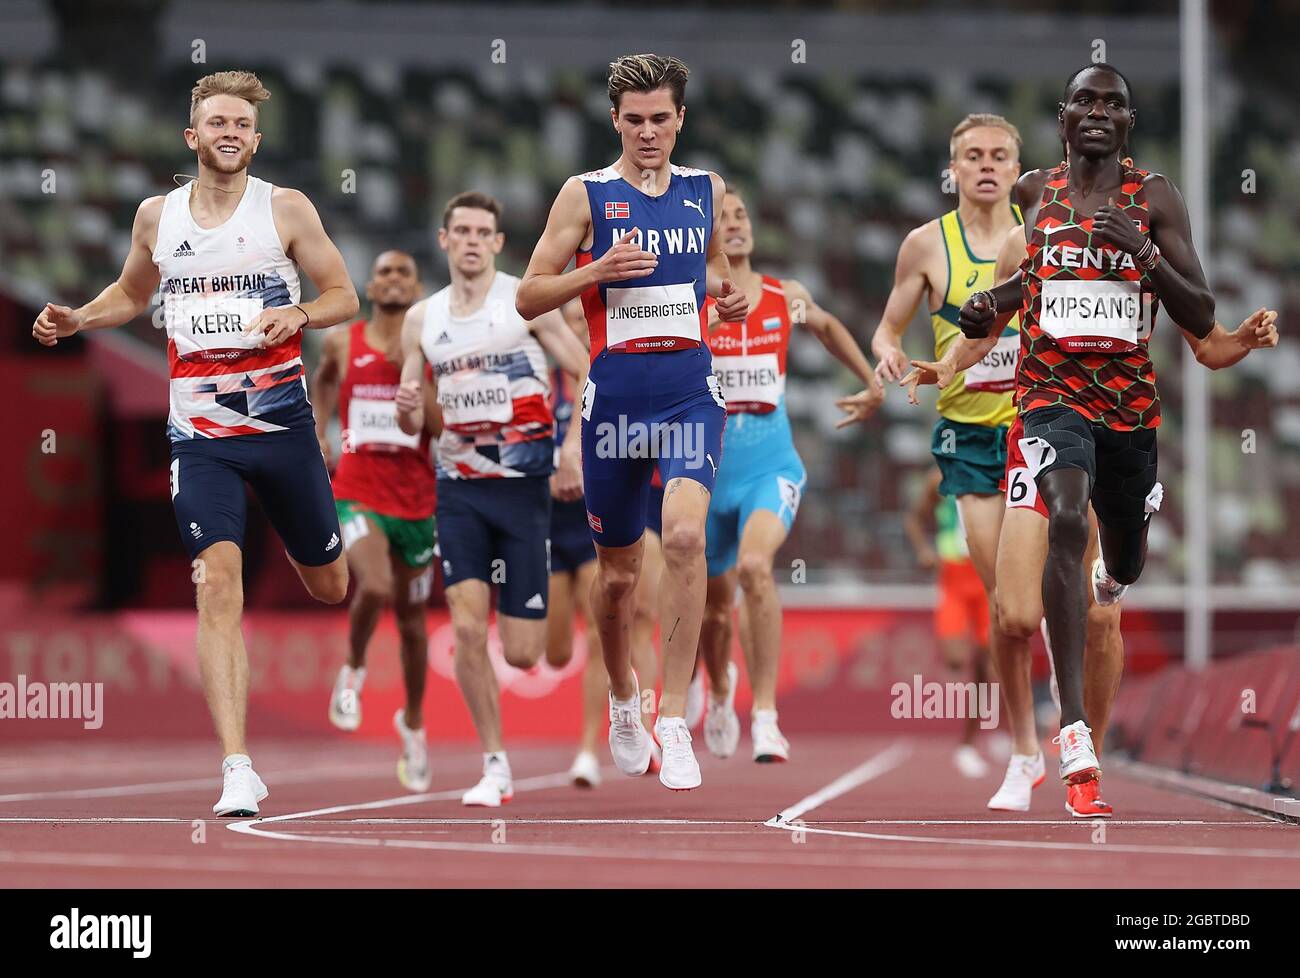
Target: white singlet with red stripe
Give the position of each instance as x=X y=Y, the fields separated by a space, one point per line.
x=214 y=281
x=493 y=387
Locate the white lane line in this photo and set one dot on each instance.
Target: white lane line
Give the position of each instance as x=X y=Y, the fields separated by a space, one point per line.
x=527 y=784
x=1058 y=846
x=339 y=772
x=335 y=824
x=873 y=767
x=94 y=821
x=750 y=822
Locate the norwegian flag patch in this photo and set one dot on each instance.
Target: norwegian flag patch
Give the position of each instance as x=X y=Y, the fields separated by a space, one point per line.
x=616 y=210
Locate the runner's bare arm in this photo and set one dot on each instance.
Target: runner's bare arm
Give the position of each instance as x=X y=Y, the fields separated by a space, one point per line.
x=546 y=285
x=837 y=339
x=1177 y=277
x=556 y=336
x=410 y=390
x=122 y=301
x=910 y=286
x=305 y=241
x=325 y=386
x=577 y=322
x=918 y=522
x=731 y=302
x=557 y=339
x=1222 y=349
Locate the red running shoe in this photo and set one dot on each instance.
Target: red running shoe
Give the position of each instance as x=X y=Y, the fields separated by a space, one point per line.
x=1083 y=800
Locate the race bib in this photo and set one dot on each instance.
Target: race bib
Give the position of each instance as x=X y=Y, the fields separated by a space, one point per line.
x=751 y=384
x=1093 y=317
x=372 y=422
x=651 y=318
x=205 y=324
x=996 y=373
x=475 y=402
x=1022 y=490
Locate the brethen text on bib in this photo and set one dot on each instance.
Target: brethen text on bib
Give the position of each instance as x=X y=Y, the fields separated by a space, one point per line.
x=751 y=383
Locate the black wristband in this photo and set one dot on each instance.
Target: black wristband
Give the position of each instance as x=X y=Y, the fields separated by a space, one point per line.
x=306 y=319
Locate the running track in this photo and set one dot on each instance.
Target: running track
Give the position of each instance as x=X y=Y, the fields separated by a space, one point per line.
x=857 y=812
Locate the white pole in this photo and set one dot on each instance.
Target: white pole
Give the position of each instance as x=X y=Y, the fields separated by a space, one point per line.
x=1196 y=402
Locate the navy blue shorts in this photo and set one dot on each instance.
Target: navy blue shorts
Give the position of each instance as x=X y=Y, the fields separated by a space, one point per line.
x=571 y=545
x=641 y=411
x=498 y=531
x=287 y=474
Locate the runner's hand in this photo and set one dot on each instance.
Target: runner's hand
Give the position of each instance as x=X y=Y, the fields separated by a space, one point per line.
x=1259 y=331
x=566 y=483
x=324 y=444
x=409 y=397
x=276 y=324
x=732 y=304
x=891 y=366
x=55 y=323
x=1111 y=226
x=625 y=260
x=927 y=372
x=859 y=407
x=976 y=317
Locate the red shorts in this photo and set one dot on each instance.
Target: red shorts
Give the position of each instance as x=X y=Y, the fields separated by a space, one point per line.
x=1018 y=482
x=963 y=606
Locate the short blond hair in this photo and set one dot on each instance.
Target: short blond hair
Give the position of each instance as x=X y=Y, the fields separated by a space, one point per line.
x=647 y=73
x=240 y=84
x=978 y=119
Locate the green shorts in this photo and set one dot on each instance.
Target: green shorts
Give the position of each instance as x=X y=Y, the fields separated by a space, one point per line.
x=971 y=457
x=412 y=540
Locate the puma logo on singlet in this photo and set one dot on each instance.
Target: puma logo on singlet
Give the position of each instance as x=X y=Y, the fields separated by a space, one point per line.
x=697 y=204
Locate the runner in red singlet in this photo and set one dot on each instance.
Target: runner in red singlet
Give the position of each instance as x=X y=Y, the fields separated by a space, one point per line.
x=1108 y=243
x=384 y=490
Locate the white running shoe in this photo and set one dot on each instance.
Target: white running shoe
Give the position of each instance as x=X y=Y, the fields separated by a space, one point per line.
x=1077 y=754
x=495 y=788
x=413 y=766
x=769 y=745
x=1106 y=590
x=969 y=762
x=628 y=740
x=241 y=790
x=680 y=770
x=585 y=772
x=695 y=700
x=1025 y=772
x=345 y=702
x=721 y=725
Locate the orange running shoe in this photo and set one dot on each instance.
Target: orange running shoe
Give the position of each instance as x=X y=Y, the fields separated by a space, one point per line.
x=1083 y=799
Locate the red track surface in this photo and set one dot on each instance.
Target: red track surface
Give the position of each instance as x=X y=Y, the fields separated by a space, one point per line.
x=910 y=821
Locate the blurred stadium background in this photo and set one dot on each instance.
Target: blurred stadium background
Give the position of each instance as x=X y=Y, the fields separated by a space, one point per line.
x=832 y=117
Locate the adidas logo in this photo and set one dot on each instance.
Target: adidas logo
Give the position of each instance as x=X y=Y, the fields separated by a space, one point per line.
x=334 y=542
x=535 y=603
x=442 y=338
x=184 y=251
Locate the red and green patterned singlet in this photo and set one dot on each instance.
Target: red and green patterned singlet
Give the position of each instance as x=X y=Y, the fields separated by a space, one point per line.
x=1086 y=318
